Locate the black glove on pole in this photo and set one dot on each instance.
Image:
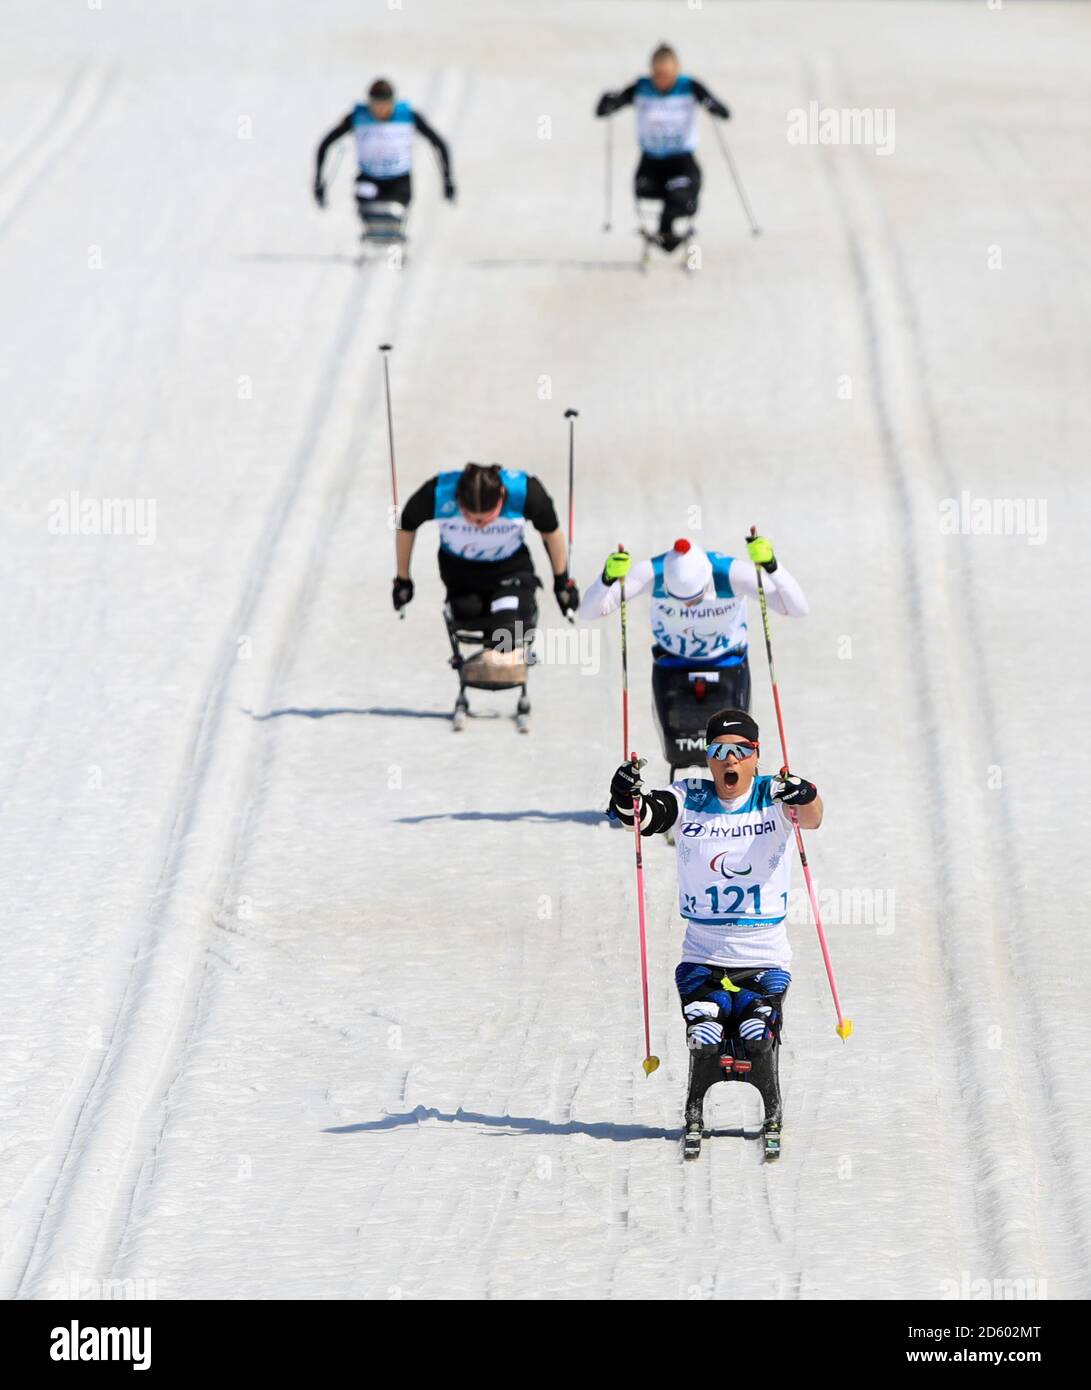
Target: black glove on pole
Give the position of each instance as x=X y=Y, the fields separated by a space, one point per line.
x=568 y=596
x=793 y=790
x=624 y=783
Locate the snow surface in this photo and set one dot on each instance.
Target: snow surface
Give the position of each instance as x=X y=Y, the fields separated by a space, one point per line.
x=303 y=995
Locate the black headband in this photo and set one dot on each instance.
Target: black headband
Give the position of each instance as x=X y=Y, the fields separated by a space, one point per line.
x=731 y=721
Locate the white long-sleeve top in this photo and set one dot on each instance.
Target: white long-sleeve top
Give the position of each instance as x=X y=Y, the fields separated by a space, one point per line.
x=711 y=628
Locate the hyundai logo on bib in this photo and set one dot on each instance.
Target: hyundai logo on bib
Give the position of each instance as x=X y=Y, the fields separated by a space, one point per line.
x=693 y=829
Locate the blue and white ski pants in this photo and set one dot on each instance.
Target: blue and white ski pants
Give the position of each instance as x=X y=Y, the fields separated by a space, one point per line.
x=718 y=1003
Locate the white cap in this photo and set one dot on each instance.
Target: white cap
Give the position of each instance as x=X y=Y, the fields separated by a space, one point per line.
x=686 y=570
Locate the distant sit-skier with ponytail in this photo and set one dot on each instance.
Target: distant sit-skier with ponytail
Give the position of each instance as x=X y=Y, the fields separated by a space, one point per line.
x=484 y=562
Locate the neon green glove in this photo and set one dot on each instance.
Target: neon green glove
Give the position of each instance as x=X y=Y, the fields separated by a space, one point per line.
x=760 y=551
x=617 y=566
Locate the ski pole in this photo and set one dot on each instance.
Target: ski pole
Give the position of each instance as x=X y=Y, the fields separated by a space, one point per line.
x=624 y=668
x=755 y=230
x=571 y=416
x=844 y=1025
x=650 y=1063
x=608 y=224
x=385 y=349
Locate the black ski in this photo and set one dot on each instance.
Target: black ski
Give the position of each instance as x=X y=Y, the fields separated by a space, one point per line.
x=694 y=1132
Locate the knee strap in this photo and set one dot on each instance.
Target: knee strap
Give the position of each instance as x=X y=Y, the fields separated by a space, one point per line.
x=704 y=1031
x=773 y=981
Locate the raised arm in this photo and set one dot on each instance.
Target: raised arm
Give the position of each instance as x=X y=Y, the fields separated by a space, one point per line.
x=708 y=101
x=420 y=508
x=603 y=595
x=782 y=591
x=342 y=128
x=442 y=153
x=540 y=511
x=658 y=809
x=610 y=102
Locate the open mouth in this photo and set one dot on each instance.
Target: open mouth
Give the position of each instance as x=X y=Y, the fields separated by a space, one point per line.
x=731 y=777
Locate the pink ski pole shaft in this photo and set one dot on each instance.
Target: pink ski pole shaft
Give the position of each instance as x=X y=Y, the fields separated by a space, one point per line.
x=844 y=1025
x=650 y=1062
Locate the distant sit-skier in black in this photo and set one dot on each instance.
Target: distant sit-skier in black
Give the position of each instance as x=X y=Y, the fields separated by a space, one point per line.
x=383 y=130
x=666 y=121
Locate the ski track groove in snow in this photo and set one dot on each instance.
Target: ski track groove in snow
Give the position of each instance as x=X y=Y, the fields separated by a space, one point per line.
x=77 y=1175
x=995 y=1226
x=61 y=108
x=521 y=1152
x=1043 y=1123
x=1022 y=1119
x=305 y=586
x=81 y=105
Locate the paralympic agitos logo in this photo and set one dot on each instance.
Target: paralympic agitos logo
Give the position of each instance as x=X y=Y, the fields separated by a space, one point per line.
x=717 y=865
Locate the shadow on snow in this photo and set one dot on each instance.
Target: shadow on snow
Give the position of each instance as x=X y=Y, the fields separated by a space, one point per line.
x=346 y=709
x=580 y=817
x=522 y=1124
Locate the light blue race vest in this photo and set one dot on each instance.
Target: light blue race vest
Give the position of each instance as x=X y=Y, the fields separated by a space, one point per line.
x=496 y=541
x=384 y=149
x=666 y=122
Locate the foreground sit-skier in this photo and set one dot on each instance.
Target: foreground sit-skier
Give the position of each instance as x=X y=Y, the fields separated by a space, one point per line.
x=666 y=122
x=699 y=627
x=383 y=130
x=734 y=875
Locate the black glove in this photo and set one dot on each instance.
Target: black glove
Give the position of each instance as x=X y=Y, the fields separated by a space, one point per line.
x=403 y=593
x=626 y=781
x=608 y=104
x=448 y=190
x=320 y=193
x=716 y=108
x=568 y=596
x=793 y=790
